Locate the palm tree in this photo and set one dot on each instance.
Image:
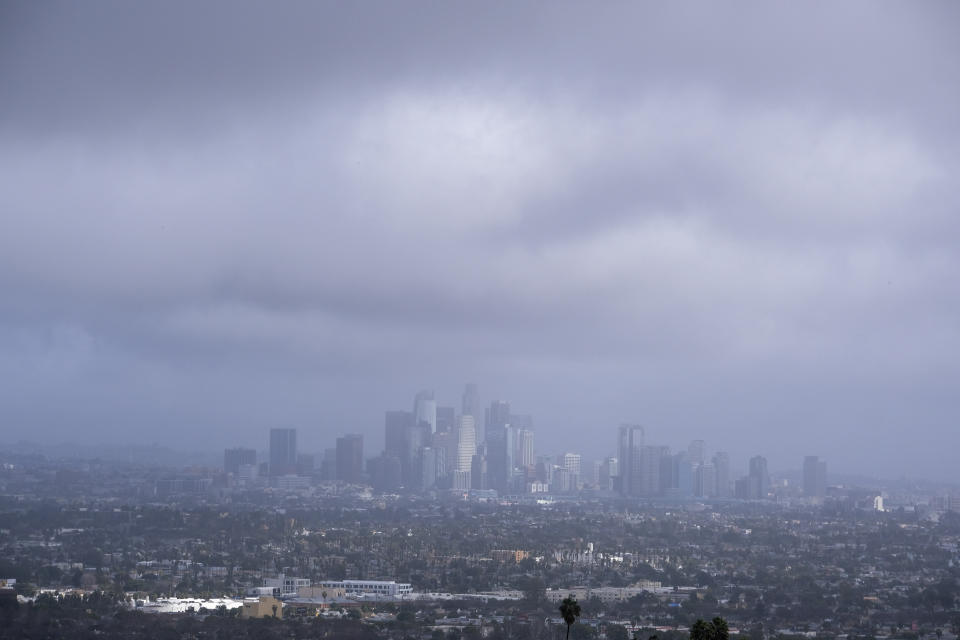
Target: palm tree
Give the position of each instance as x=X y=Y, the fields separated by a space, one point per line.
x=721 y=631
x=569 y=611
x=716 y=629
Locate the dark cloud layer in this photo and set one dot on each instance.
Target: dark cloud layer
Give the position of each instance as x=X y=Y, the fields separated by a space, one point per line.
x=735 y=222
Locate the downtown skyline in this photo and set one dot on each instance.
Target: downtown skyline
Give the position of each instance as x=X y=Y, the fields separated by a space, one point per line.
x=733 y=223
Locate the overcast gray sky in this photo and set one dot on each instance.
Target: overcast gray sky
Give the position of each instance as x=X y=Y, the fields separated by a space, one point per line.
x=732 y=221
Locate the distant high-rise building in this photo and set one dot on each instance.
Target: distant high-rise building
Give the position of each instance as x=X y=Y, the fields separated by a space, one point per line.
x=283 y=451
x=350 y=458
x=425 y=411
x=630 y=445
x=524 y=456
x=479 y=472
x=446 y=442
x=565 y=481
x=608 y=472
x=446 y=419
x=666 y=472
x=395 y=428
x=814 y=477
x=684 y=474
x=650 y=470
x=721 y=462
x=428 y=469
x=496 y=417
x=758 y=481
x=544 y=469
x=705 y=481
x=499 y=444
x=233 y=458
x=571 y=462
x=385 y=472
x=696 y=452
x=466 y=443
x=471 y=402
x=403 y=439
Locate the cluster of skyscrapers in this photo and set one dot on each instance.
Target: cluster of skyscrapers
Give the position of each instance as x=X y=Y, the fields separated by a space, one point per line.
x=436 y=447
x=651 y=470
x=287 y=467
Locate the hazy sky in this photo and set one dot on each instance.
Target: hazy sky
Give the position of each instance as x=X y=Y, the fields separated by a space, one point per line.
x=732 y=221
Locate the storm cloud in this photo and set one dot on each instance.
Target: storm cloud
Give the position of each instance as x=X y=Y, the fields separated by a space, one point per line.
x=734 y=221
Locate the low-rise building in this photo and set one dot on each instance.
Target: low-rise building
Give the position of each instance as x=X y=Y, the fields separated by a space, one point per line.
x=604 y=594
x=262 y=607
x=388 y=588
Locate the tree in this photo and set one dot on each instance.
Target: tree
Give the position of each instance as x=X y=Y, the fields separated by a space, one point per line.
x=716 y=629
x=617 y=632
x=569 y=611
x=721 y=631
x=700 y=630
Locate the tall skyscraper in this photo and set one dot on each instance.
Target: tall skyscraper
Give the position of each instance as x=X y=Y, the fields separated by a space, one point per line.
x=496 y=417
x=233 y=458
x=471 y=402
x=759 y=479
x=283 y=451
x=350 y=458
x=721 y=462
x=428 y=469
x=445 y=444
x=683 y=477
x=395 y=428
x=425 y=411
x=466 y=443
x=630 y=445
x=524 y=456
x=403 y=440
x=650 y=470
x=667 y=485
x=499 y=444
x=814 y=477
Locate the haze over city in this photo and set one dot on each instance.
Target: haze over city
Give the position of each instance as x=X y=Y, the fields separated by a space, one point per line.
x=729 y=225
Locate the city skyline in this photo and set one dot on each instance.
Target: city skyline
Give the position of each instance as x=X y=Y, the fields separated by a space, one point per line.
x=718 y=227
x=423 y=454
x=479 y=320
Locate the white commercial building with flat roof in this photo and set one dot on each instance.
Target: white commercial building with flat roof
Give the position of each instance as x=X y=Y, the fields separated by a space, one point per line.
x=370 y=587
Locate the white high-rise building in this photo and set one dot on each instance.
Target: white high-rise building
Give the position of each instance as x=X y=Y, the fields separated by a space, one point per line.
x=466 y=443
x=425 y=410
x=571 y=462
x=524 y=455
